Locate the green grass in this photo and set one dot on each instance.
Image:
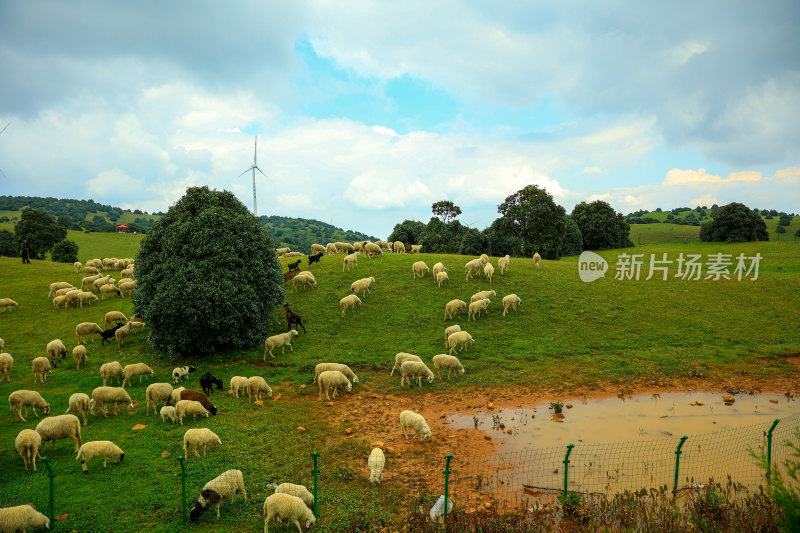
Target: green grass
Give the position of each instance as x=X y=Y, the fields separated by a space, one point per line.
x=567 y=335
x=663 y=233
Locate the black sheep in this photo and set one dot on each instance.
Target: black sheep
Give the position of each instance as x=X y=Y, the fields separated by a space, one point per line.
x=295 y=265
x=109 y=333
x=314 y=258
x=207 y=381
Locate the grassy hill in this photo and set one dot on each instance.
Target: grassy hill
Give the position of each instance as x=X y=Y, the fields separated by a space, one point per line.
x=300 y=233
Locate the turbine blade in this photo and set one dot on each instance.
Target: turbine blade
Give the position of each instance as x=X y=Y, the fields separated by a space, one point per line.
x=255 y=151
x=4 y=127
x=246 y=171
x=262 y=173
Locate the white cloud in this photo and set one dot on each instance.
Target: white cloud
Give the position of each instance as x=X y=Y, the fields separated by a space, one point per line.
x=706 y=199
x=384 y=130
x=592 y=170
x=683 y=53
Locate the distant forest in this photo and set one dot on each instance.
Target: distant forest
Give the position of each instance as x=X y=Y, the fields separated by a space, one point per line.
x=300 y=233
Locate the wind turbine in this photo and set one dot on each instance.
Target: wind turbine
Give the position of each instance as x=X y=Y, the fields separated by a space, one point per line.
x=1 y=131
x=253 y=169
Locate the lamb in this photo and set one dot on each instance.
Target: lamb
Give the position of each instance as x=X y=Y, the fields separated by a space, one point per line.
x=27 y=398
x=399 y=247
x=115 y=316
x=280 y=340
x=453 y=307
x=512 y=301
x=58 y=427
x=41 y=367
x=410 y=419
x=349 y=260
x=401 y=358
x=80 y=403
x=115 y=395
x=344 y=369
x=135 y=369
x=199 y=437
x=123 y=332
x=77 y=265
x=416 y=248
x=332 y=379
x=299 y=491
x=375 y=463
x=87 y=328
x=189 y=407
x=188 y=394
x=414 y=369
x=481 y=295
x=99 y=448
x=7 y=303
x=86 y=298
x=110 y=370
x=362 y=285
x=472 y=267
x=419 y=268
x=157 y=392
x=225 y=486
x=22 y=518
x=372 y=249
x=449 y=362
x=176 y=394
x=59 y=285
x=256 y=386
x=476 y=307
x=168 y=411
x=351 y=300
x=79 y=354
x=537 y=259
x=181 y=372
x=503 y=263
x=6 y=362
x=27 y=445
x=207 y=382
x=441 y=278
x=108 y=289
x=56 y=348
x=459 y=338
x=484 y=258
x=448 y=331
x=287 y=507
x=303 y=279
x=237 y=383
x=488 y=270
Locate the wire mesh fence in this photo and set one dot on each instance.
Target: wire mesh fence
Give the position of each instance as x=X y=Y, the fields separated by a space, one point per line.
x=32 y=488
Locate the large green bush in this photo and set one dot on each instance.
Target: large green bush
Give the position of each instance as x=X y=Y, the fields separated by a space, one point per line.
x=65 y=252
x=735 y=222
x=208 y=276
x=573 y=239
x=602 y=227
x=7 y=248
x=41 y=231
x=536 y=220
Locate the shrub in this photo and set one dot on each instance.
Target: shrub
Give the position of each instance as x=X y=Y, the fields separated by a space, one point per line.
x=65 y=252
x=602 y=227
x=780 y=229
x=572 y=244
x=7 y=248
x=473 y=243
x=785 y=220
x=735 y=222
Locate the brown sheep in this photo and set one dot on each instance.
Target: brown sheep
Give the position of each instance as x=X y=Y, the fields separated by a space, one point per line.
x=188 y=394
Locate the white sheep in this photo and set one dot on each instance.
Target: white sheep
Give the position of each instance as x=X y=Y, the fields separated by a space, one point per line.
x=99 y=448
x=99 y=283
x=79 y=354
x=135 y=369
x=419 y=268
x=168 y=411
x=477 y=307
x=304 y=278
x=375 y=463
x=414 y=369
x=2 y=345
x=79 y=403
x=86 y=298
x=87 y=328
x=176 y=394
x=482 y=295
x=27 y=398
x=372 y=249
x=459 y=338
x=349 y=261
x=344 y=369
x=453 y=307
x=77 y=266
x=123 y=332
x=198 y=437
x=88 y=270
x=399 y=247
x=22 y=518
x=64 y=291
x=41 y=367
x=449 y=362
x=349 y=301
x=190 y=407
x=256 y=386
x=58 y=301
x=287 y=507
x=127 y=273
x=537 y=259
x=344 y=247
x=299 y=491
x=330 y=249
x=450 y=330
x=281 y=251
x=438 y=267
x=441 y=278
x=27 y=445
x=59 y=285
x=115 y=316
x=110 y=370
x=60 y=427
x=55 y=348
x=280 y=340
x=317 y=249
x=503 y=263
x=129 y=286
x=225 y=486
x=114 y=395
x=362 y=285
x=7 y=303
x=88 y=281
x=410 y=419
x=6 y=363
x=157 y=392
x=238 y=383
x=488 y=270
x=471 y=267
x=401 y=358
x=332 y=379
x=416 y=248
x=512 y=301
x=179 y=373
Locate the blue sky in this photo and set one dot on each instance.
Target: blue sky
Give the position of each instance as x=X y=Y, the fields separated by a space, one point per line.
x=368 y=112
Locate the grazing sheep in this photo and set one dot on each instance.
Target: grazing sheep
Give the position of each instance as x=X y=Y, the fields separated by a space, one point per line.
x=27 y=398
x=280 y=340
x=332 y=379
x=59 y=285
x=136 y=369
x=22 y=518
x=2 y=344
x=287 y=507
x=375 y=463
x=176 y=394
x=459 y=338
x=300 y=491
x=41 y=367
x=115 y=316
x=304 y=278
x=472 y=267
x=54 y=428
x=110 y=370
x=62 y=292
x=6 y=363
x=56 y=348
x=168 y=411
x=441 y=278
x=157 y=392
x=449 y=362
x=351 y=300
x=438 y=267
x=453 y=307
x=372 y=249
x=188 y=394
x=419 y=268
x=80 y=403
x=88 y=281
x=481 y=295
x=86 y=298
x=503 y=263
x=101 y=282
x=362 y=285
x=207 y=382
x=89 y=270
x=512 y=301
x=448 y=331
x=293 y=254
x=256 y=386
x=330 y=249
x=410 y=419
x=129 y=286
x=87 y=328
x=401 y=358
x=59 y=300
x=99 y=448
x=399 y=247
x=77 y=265
x=114 y=395
x=537 y=259
x=478 y=306
x=317 y=248
x=181 y=372
x=344 y=247
x=281 y=251
x=107 y=334
x=199 y=437
x=123 y=332
x=27 y=445
x=109 y=289
x=414 y=369
x=73 y=295
x=238 y=383
x=79 y=354
x=225 y=486
x=488 y=270
x=349 y=260
x=127 y=273
x=344 y=369
x=190 y=407
x=416 y=248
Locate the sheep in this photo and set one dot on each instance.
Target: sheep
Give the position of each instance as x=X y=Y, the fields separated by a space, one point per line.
x=512 y=301
x=6 y=362
x=476 y=307
x=62 y=292
x=419 y=268
x=107 y=334
x=237 y=383
x=459 y=338
x=472 y=267
x=484 y=258
x=99 y=448
x=488 y=270
x=41 y=367
x=103 y=395
x=502 y=263
x=303 y=279
x=410 y=419
x=157 y=392
x=300 y=491
x=27 y=398
x=481 y=295
x=453 y=307
x=349 y=301
x=344 y=247
x=332 y=379
x=441 y=278
x=89 y=270
x=72 y=295
x=399 y=247
x=58 y=427
x=448 y=331
x=317 y=248
x=349 y=260
x=114 y=316
x=27 y=445
x=199 y=437
x=110 y=370
x=80 y=403
x=414 y=369
x=2 y=344
x=372 y=249
x=188 y=394
x=77 y=266
x=87 y=328
x=127 y=273
x=438 y=267
x=101 y=282
x=108 y=289
x=314 y=258
x=180 y=373
x=416 y=248
x=190 y=407
x=88 y=281
x=449 y=362
x=58 y=301
x=359 y=246
x=123 y=332
x=401 y=358
x=176 y=394
x=287 y=507
x=344 y=369
x=207 y=382
x=281 y=251
x=168 y=411
x=86 y=298
x=330 y=249
x=362 y=285
x=59 y=285
x=22 y=518
x=79 y=354
x=225 y=486
x=537 y=259
x=129 y=286
x=292 y=254
x=280 y=340
x=56 y=348
x=256 y=386
x=375 y=463
x=135 y=369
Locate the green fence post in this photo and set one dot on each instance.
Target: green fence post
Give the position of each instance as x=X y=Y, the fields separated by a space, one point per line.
x=769 y=446
x=447 y=459
x=183 y=488
x=678 y=462
x=51 y=476
x=314 y=455
x=566 y=467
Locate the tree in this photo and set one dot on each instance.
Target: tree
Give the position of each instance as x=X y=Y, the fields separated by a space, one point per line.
x=40 y=230
x=446 y=210
x=473 y=243
x=537 y=221
x=780 y=229
x=65 y=252
x=573 y=239
x=409 y=232
x=785 y=220
x=7 y=248
x=208 y=277
x=502 y=240
x=602 y=227
x=735 y=222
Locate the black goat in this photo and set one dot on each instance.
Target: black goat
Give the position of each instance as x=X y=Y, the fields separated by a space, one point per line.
x=207 y=381
x=314 y=258
x=110 y=333
x=292 y=318
x=295 y=265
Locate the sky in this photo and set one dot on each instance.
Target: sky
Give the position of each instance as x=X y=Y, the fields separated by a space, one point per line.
x=368 y=112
